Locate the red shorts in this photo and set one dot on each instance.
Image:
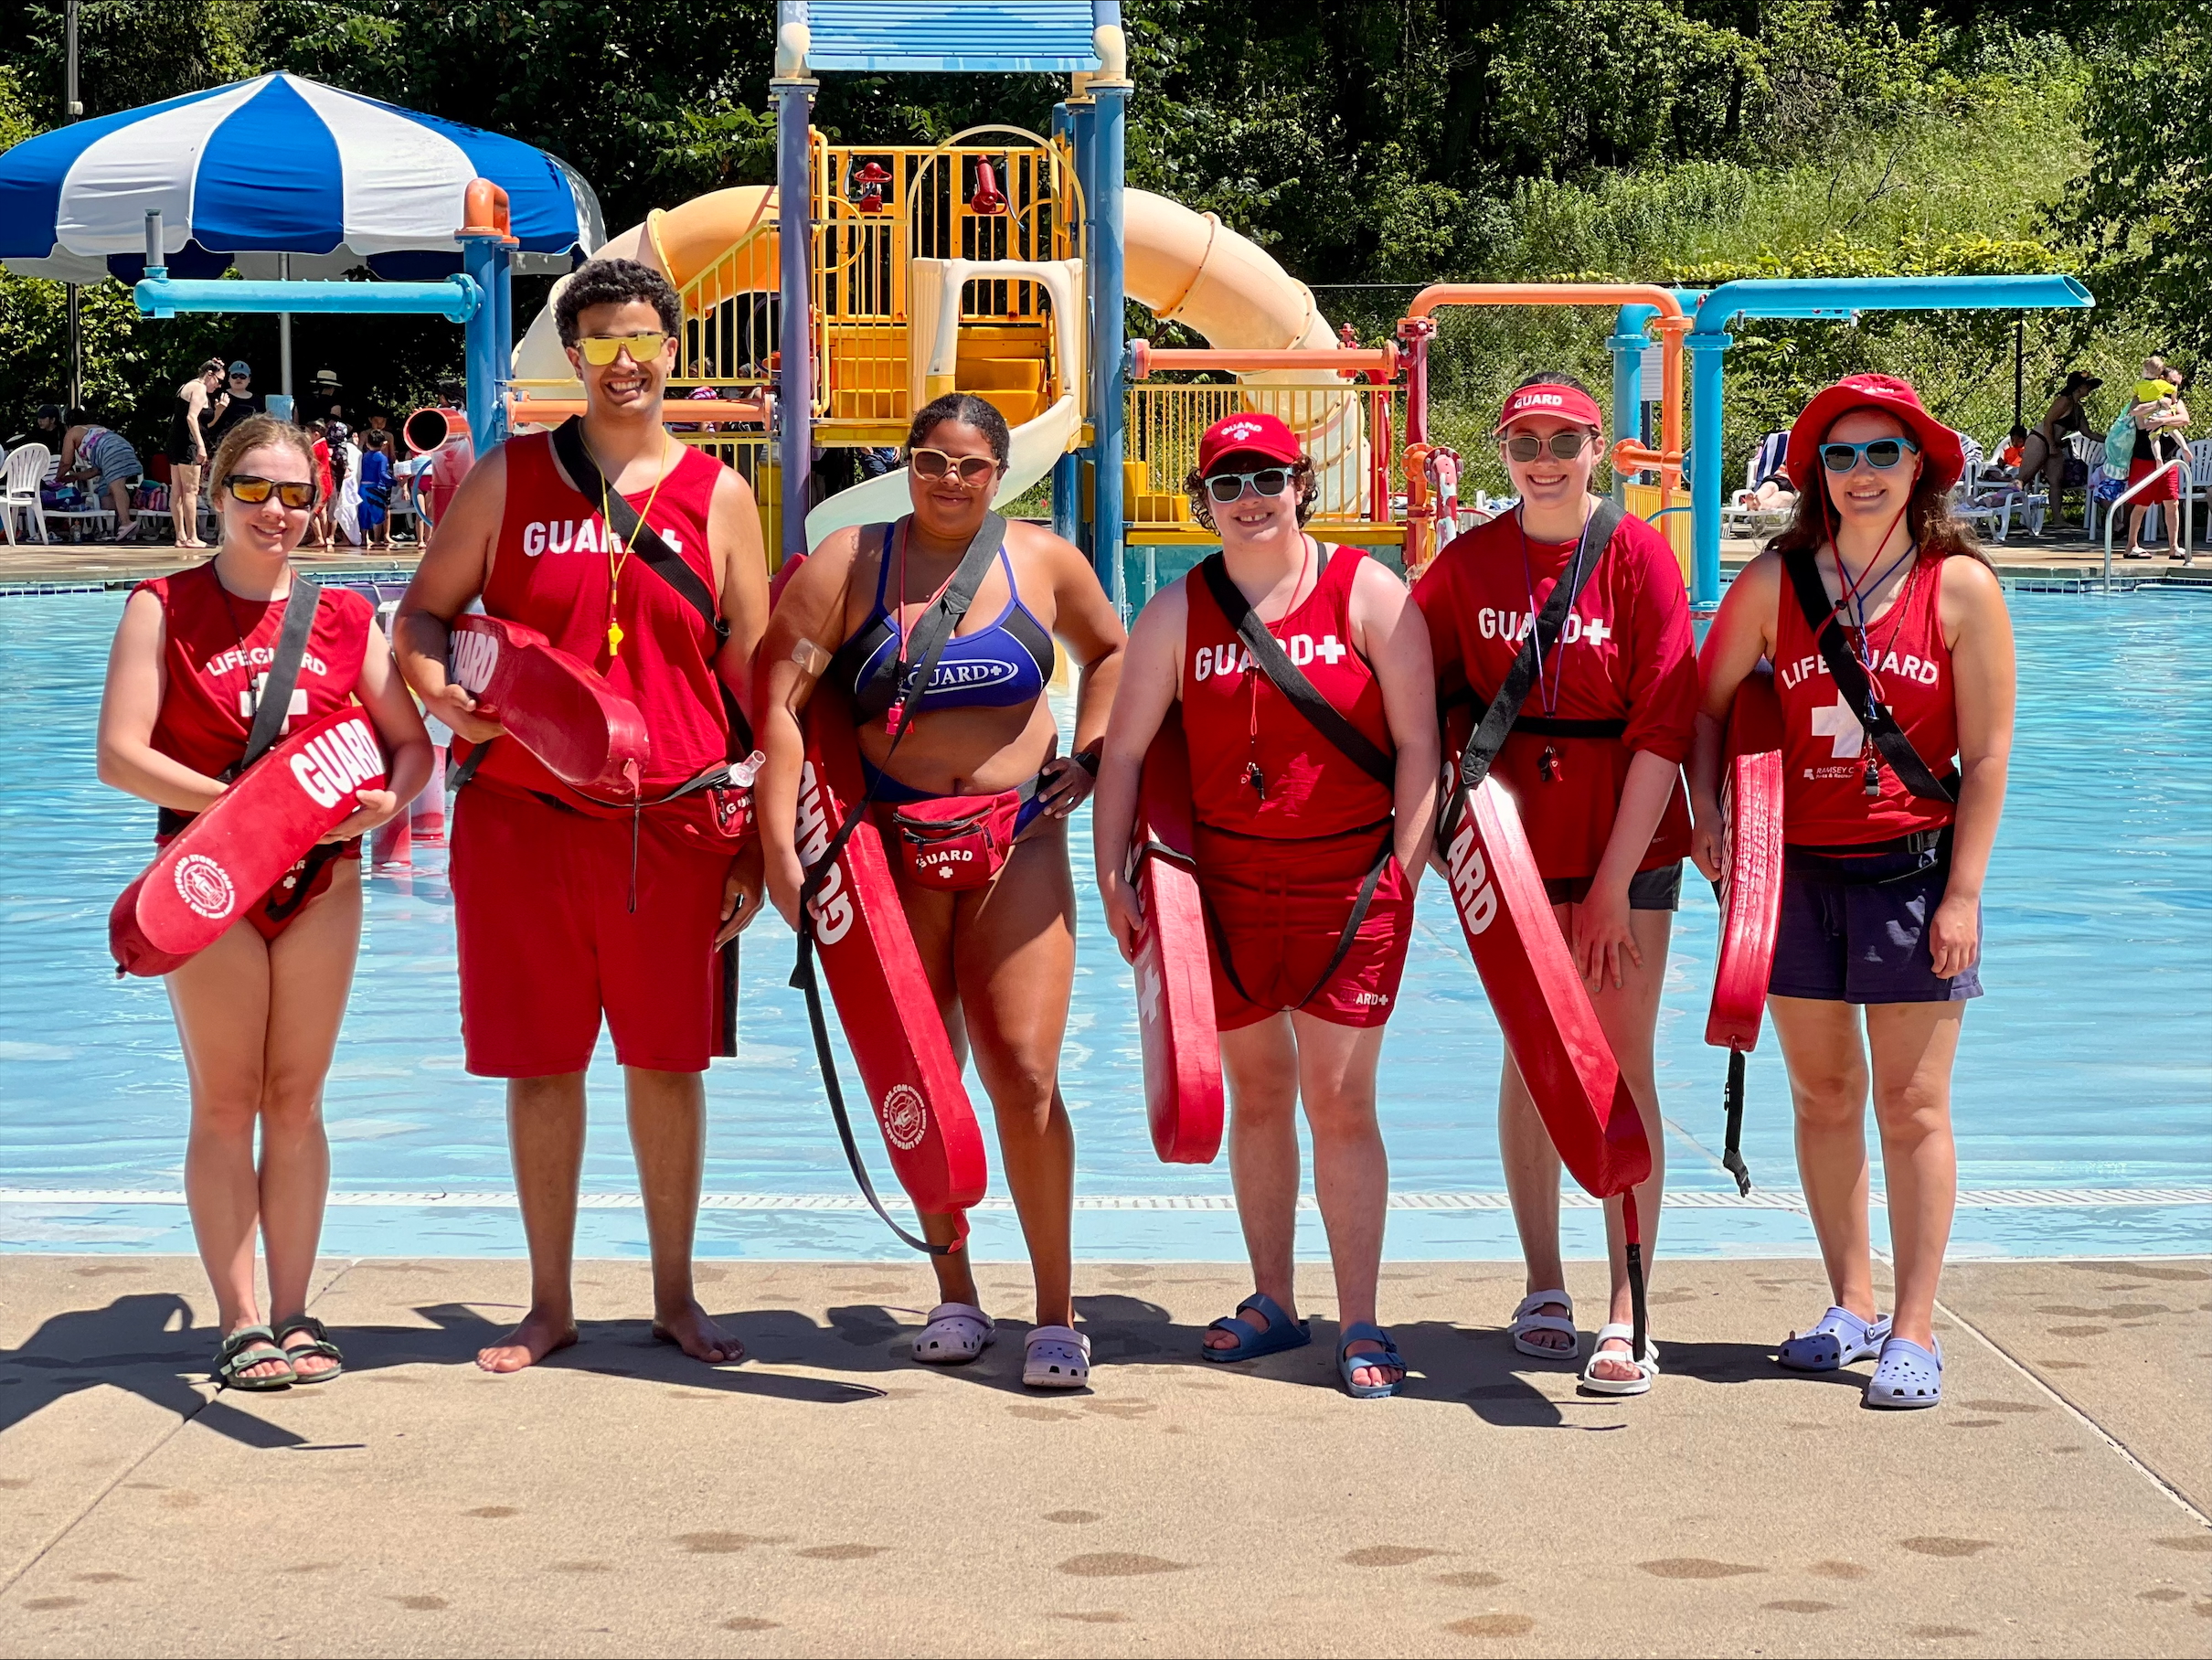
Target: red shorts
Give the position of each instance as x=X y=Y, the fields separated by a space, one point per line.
x=1279 y=908
x=549 y=940
x=2167 y=489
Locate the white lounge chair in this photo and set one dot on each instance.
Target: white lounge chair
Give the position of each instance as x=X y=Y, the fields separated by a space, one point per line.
x=19 y=479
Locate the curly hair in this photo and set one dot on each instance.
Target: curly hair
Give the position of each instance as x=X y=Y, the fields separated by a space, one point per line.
x=611 y=282
x=1302 y=475
x=963 y=410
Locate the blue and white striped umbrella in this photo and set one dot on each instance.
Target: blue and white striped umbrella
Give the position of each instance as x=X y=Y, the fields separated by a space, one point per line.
x=272 y=166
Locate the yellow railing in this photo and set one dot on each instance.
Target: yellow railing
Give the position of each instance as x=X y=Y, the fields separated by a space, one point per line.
x=1348 y=429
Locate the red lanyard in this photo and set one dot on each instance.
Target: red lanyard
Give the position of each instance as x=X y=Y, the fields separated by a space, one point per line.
x=1252 y=775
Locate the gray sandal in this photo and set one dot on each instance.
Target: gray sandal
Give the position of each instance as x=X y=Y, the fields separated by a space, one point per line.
x=321 y=1348
x=250 y=1345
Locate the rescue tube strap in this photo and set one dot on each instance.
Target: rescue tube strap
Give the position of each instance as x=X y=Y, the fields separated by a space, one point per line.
x=1272 y=661
x=1850 y=676
x=1505 y=711
x=659 y=559
x=1345 y=938
x=274 y=703
x=931 y=632
x=1731 y=1151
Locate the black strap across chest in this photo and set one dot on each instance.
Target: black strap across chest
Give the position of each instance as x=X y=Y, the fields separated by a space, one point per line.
x=1287 y=678
x=1850 y=676
x=663 y=561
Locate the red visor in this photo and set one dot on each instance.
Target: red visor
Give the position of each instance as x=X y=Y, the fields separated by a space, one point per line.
x=1562 y=402
x=1252 y=434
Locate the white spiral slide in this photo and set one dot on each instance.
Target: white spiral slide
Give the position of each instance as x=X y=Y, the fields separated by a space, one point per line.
x=1184 y=267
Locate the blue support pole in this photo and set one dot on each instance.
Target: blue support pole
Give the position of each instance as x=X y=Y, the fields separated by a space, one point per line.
x=1067 y=471
x=1627 y=346
x=1706 y=354
x=1084 y=115
x=1108 y=418
x=795 y=379
x=482 y=258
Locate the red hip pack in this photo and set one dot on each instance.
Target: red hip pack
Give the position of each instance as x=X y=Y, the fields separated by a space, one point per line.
x=958 y=841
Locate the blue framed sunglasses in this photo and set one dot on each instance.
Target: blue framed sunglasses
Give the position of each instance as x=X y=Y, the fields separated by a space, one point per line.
x=1880 y=453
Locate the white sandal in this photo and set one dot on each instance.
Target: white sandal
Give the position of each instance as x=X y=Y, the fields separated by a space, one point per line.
x=1057 y=1357
x=1527 y=1320
x=1646 y=1364
x=956 y=1334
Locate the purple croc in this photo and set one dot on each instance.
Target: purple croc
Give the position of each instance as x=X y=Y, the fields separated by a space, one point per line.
x=1907 y=1376
x=1841 y=1340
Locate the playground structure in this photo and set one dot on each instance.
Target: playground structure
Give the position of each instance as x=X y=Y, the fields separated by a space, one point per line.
x=998 y=263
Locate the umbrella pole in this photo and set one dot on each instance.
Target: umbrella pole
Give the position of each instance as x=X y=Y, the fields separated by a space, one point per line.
x=284 y=334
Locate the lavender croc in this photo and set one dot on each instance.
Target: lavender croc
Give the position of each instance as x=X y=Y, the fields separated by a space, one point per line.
x=1840 y=1339
x=1907 y=1376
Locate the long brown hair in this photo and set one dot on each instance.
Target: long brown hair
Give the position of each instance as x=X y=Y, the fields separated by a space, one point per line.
x=1928 y=517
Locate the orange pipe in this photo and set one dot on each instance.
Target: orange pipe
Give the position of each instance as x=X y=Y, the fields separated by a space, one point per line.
x=1337 y=360
x=484 y=206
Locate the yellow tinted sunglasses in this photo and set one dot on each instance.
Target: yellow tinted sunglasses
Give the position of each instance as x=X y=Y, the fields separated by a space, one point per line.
x=600 y=350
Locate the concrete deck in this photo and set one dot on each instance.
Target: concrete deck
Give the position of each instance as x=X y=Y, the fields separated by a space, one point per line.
x=831 y=1497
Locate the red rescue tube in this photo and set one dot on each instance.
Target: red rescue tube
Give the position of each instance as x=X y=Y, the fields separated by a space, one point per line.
x=1174 y=977
x=1750 y=864
x=883 y=996
x=1542 y=1007
x=220 y=865
x=589 y=735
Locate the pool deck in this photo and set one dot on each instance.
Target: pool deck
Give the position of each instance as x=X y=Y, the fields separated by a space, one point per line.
x=831 y=1497
x=2068 y=558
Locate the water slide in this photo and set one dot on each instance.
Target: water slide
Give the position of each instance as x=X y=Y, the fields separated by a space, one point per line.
x=1184 y=267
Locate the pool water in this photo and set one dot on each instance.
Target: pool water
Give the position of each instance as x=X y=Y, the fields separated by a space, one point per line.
x=2081 y=1092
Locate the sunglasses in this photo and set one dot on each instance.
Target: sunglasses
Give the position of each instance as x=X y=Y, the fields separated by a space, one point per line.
x=1564 y=446
x=1880 y=453
x=253 y=492
x=931 y=465
x=600 y=350
x=1227 y=487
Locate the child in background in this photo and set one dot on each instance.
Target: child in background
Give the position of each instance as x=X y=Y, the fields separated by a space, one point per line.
x=375 y=488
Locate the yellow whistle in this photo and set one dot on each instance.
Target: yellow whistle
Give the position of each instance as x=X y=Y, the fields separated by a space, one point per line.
x=615 y=639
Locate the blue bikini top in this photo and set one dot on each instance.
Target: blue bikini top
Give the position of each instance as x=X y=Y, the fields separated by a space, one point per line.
x=1003 y=666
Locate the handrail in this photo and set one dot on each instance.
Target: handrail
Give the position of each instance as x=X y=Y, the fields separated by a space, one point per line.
x=1144 y=358
x=2183 y=514
x=1661 y=299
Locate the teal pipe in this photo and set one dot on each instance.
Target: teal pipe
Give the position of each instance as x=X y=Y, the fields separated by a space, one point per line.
x=456 y=299
x=1627 y=346
x=1823 y=296
x=1706 y=352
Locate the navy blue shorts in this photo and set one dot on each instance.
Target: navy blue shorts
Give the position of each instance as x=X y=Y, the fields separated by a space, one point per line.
x=1856 y=931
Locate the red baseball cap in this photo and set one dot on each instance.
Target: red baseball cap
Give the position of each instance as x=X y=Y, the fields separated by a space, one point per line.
x=1562 y=402
x=1941 y=452
x=1248 y=434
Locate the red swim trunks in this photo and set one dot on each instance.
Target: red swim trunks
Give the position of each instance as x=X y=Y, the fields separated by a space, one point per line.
x=2167 y=489
x=1280 y=907
x=549 y=938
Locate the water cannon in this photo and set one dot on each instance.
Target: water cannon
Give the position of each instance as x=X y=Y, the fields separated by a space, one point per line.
x=989 y=201
x=429 y=428
x=871 y=179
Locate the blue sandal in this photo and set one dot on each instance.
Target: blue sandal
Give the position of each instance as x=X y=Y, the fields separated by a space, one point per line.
x=1907 y=1376
x=1282 y=1331
x=1347 y=1364
x=1841 y=1340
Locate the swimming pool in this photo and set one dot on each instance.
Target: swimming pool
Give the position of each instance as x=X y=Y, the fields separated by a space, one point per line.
x=2082 y=1092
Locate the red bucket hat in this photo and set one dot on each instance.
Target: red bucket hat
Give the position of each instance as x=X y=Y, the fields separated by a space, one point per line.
x=1941 y=453
x=1254 y=433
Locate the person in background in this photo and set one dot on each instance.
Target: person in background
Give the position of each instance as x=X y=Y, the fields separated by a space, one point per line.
x=104 y=460
x=2007 y=464
x=188 y=448
x=325 y=491
x=235 y=403
x=375 y=488
x=2044 y=455
x=2161 y=419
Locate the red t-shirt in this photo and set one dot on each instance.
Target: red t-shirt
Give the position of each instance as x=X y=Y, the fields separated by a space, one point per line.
x=1235 y=719
x=551 y=570
x=1824 y=746
x=215 y=660
x=1625 y=655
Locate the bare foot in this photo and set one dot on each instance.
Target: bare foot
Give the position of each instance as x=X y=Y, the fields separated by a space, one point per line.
x=690 y=1330
x=1614 y=1362
x=540 y=1335
x=1559 y=1343
x=1371 y=1376
x=1247 y=1316
x=261 y=1368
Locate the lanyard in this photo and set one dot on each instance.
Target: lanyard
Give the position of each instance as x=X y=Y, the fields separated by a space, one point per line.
x=1548 y=692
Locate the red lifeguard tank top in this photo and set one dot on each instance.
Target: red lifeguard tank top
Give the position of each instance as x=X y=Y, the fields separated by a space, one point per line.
x=216 y=654
x=1236 y=718
x=551 y=570
x=1825 y=747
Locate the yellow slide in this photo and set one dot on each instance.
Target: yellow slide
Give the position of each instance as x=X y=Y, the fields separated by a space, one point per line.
x=1184 y=267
